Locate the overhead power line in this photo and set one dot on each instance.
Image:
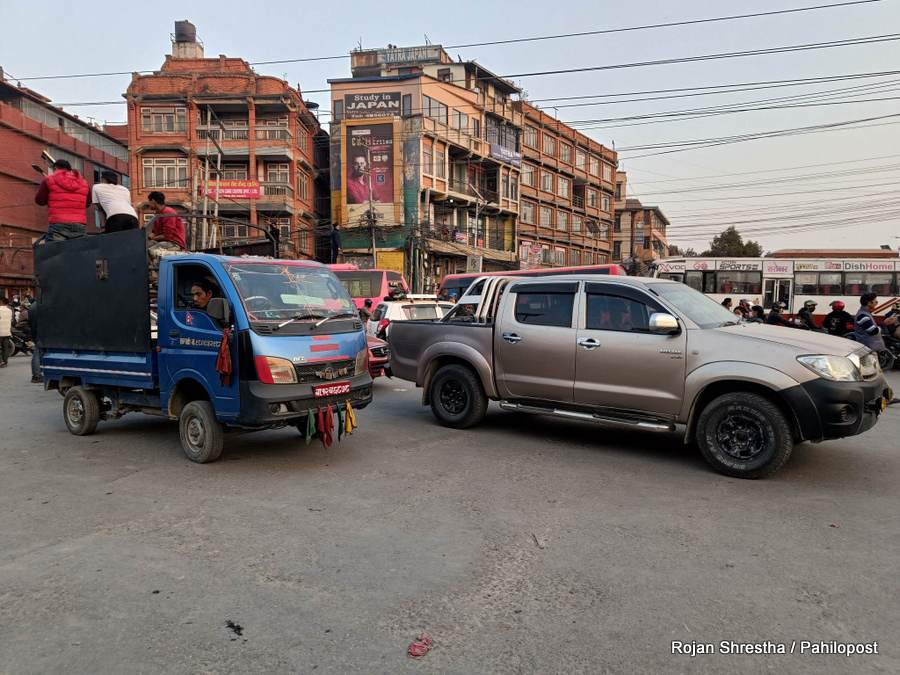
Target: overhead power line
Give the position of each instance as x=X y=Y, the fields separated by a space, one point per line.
x=670 y=24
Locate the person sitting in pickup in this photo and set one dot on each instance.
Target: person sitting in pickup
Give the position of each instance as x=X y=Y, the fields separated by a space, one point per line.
x=167 y=233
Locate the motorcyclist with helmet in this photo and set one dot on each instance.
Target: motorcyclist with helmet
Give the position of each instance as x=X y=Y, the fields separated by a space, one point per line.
x=776 y=318
x=838 y=321
x=805 y=316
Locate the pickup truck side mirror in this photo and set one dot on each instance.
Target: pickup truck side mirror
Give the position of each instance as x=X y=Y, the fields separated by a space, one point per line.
x=220 y=310
x=664 y=324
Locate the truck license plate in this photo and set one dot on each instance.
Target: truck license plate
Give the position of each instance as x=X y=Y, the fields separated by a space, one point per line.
x=333 y=389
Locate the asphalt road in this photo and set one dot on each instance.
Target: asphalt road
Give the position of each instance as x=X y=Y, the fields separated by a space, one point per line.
x=527 y=545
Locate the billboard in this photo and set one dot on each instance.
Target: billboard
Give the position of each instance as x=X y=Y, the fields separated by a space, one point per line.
x=362 y=106
x=236 y=189
x=369 y=172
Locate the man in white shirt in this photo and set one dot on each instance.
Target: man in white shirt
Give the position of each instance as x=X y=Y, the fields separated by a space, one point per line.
x=6 y=323
x=115 y=200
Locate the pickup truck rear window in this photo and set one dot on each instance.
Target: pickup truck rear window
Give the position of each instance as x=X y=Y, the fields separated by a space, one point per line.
x=545 y=308
x=420 y=311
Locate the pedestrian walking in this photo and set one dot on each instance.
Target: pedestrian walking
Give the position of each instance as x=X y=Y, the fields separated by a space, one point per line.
x=6 y=324
x=65 y=194
x=365 y=312
x=115 y=202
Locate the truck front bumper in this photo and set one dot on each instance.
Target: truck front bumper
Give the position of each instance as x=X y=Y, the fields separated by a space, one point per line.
x=265 y=405
x=826 y=409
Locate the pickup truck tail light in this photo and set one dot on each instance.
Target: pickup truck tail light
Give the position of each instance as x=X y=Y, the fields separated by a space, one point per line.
x=382 y=326
x=272 y=370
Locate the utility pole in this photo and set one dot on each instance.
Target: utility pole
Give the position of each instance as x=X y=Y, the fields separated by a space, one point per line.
x=370 y=214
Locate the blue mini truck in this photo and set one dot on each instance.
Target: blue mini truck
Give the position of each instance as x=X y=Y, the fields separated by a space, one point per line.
x=278 y=341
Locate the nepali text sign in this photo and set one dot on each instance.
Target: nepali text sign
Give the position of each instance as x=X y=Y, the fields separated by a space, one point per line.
x=236 y=189
x=504 y=154
x=362 y=106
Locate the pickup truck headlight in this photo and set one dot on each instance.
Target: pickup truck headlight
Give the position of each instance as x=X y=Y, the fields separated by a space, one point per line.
x=273 y=370
x=362 y=362
x=835 y=368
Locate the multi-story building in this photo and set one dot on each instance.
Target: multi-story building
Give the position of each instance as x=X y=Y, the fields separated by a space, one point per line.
x=567 y=186
x=215 y=136
x=639 y=231
x=439 y=141
x=29 y=127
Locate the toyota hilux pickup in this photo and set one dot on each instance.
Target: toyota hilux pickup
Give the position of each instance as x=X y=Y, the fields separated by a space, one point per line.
x=643 y=354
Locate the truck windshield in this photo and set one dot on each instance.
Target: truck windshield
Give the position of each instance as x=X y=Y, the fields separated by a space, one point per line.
x=704 y=312
x=276 y=292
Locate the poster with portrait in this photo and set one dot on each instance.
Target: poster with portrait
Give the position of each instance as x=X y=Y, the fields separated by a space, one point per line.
x=369 y=172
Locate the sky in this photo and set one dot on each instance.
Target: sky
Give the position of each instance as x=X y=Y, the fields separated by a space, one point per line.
x=824 y=190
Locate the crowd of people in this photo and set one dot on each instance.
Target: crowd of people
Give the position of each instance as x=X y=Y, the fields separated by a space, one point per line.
x=67 y=196
x=862 y=327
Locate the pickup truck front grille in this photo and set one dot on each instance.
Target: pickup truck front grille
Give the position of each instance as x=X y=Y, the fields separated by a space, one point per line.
x=381 y=352
x=324 y=372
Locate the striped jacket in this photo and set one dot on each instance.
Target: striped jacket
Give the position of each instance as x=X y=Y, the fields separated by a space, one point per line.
x=866 y=330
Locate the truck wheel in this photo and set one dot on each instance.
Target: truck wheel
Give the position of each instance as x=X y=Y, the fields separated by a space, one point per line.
x=202 y=437
x=744 y=435
x=457 y=399
x=81 y=411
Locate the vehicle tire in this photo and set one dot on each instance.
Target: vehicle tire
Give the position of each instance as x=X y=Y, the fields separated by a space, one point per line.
x=81 y=411
x=744 y=435
x=457 y=398
x=202 y=435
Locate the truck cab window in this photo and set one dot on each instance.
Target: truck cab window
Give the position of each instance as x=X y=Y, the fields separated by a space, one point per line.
x=612 y=312
x=185 y=277
x=545 y=309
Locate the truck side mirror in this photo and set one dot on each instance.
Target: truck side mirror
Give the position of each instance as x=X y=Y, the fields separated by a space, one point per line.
x=220 y=310
x=664 y=324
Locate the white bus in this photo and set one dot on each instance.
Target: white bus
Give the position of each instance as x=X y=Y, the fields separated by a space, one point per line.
x=792 y=281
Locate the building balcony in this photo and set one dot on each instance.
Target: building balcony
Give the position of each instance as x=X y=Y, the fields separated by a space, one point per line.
x=272 y=133
x=276 y=189
x=458 y=137
x=578 y=201
x=227 y=134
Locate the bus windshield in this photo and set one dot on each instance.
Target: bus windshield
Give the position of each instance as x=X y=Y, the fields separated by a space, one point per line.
x=275 y=291
x=360 y=283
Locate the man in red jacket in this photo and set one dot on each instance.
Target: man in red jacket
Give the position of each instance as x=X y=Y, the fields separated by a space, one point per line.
x=65 y=194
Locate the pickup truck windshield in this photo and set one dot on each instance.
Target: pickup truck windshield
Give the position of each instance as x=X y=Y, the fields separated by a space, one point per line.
x=277 y=292
x=694 y=305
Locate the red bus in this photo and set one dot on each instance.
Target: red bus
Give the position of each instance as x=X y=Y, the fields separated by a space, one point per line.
x=368 y=284
x=454 y=285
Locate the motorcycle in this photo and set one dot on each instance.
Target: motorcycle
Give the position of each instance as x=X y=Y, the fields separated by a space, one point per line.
x=890 y=356
x=21 y=344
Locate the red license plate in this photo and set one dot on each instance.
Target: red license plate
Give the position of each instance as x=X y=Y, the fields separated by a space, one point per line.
x=333 y=389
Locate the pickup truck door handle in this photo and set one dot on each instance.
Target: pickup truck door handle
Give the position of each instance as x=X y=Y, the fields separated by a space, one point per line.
x=589 y=343
x=512 y=338
x=173 y=333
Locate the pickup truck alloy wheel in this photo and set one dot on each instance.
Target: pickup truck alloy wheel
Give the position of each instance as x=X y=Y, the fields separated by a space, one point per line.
x=81 y=411
x=202 y=437
x=457 y=399
x=744 y=434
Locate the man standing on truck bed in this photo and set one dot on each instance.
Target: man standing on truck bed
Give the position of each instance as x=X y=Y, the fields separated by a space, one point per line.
x=115 y=200
x=65 y=194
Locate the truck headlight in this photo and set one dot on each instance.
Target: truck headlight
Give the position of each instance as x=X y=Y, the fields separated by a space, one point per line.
x=362 y=362
x=273 y=370
x=835 y=368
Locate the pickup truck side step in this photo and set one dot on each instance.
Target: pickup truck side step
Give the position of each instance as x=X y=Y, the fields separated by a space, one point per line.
x=605 y=420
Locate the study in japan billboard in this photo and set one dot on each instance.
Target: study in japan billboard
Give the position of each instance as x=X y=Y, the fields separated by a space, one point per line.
x=369 y=172
x=362 y=106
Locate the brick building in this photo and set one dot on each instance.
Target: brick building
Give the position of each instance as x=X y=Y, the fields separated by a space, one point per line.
x=30 y=126
x=567 y=188
x=441 y=140
x=639 y=231
x=250 y=139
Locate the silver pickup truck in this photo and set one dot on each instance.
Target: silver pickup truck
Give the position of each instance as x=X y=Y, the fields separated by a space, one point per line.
x=645 y=354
